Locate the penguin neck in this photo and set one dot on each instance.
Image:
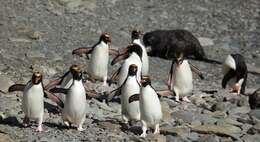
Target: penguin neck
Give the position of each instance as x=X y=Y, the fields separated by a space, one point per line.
x=102 y=43
x=146 y=87
x=184 y=62
x=137 y=41
x=76 y=82
x=135 y=55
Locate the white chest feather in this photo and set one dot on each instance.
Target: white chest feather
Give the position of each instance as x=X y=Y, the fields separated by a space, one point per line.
x=75 y=104
x=32 y=103
x=99 y=61
x=150 y=106
x=131 y=87
x=145 y=58
x=133 y=59
x=182 y=78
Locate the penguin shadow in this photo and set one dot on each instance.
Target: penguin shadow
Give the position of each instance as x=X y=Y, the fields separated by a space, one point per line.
x=59 y=126
x=11 y=121
x=122 y=126
x=131 y=127
x=51 y=108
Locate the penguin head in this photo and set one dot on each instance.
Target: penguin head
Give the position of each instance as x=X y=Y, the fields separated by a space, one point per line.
x=76 y=72
x=132 y=70
x=146 y=80
x=36 y=77
x=136 y=34
x=105 y=37
x=178 y=57
x=125 y=53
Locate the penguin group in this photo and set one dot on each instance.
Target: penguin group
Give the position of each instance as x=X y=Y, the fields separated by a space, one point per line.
x=139 y=100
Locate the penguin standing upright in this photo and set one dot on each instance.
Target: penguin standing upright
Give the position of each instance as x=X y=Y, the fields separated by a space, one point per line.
x=235 y=73
x=145 y=59
x=133 y=53
x=74 y=111
x=150 y=107
x=98 y=65
x=130 y=87
x=32 y=102
x=180 y=78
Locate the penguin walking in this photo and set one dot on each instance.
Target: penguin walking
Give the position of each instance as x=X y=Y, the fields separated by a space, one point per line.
x=98 y=65
x=132 y=55
x=150 y=107
x=235 y=73
x=32 y=102
x=145 y=59
x=180 y=78
x=130 y=87
x=74 y=111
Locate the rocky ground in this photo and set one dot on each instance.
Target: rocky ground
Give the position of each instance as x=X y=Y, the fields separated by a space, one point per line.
x=41 y=34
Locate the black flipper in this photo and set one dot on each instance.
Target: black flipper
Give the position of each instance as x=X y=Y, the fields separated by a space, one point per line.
x=197 y=71
x=16 y=87
x=111 y=95
x=114 y=76
x=169 y=82
x=59 y=90
x=54 y=98
x=231 y=73
x=133 y=98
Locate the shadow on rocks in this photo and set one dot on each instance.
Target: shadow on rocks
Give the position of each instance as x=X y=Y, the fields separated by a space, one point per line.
x=56 y=126
x=116 y=124
x=11 y=121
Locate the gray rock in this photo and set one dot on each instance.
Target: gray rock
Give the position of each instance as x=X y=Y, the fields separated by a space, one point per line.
x=5 y=138
x=240 y=110
x=255 y=113
x=193 y=136
x=5 y=83
x=204 y=41
x=209 y=138
x=35 y=54
x=251 y=138
x=228 y=130
x=222 y=106
x=187 y=117
x=170 y=138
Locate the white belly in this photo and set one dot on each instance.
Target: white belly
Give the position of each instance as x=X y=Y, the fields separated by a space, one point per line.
x=124 y=69
x=150 y=106
x=182 y=79
x=145 y=58
x=130 y=110
x=32 y=103
x=75 y=105
x=99 y=62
